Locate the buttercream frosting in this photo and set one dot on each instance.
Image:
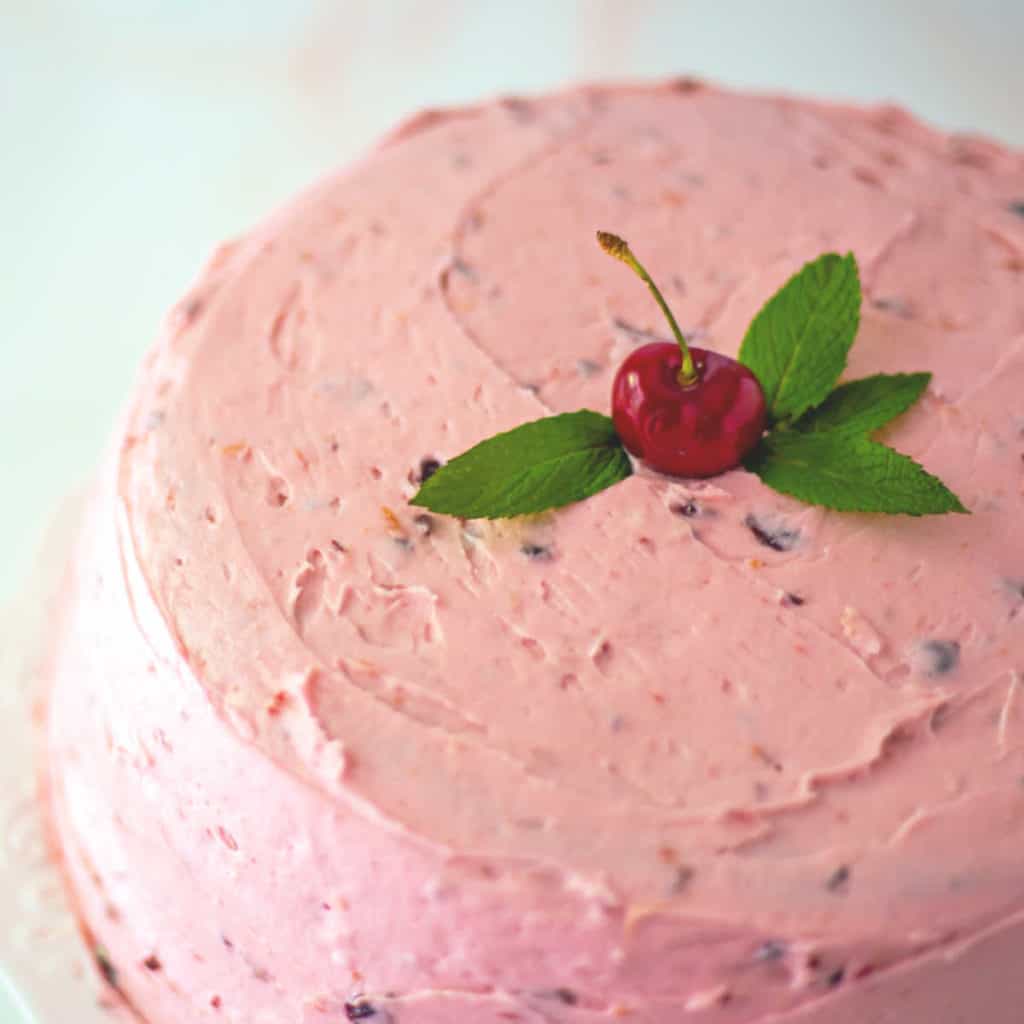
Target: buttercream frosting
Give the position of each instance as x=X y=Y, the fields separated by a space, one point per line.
x=681 y=751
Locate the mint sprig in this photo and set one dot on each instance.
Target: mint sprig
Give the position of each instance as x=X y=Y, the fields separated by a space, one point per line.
x=826 y=457
x=541 y=465
x=821 y=449
x=818 y=447
x=849 y=473
x=863 y=406
x=797 y=344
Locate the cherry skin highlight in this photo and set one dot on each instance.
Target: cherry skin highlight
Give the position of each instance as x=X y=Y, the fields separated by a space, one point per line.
x=696 y=430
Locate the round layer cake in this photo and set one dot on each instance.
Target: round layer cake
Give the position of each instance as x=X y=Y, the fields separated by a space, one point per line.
x=682 y=751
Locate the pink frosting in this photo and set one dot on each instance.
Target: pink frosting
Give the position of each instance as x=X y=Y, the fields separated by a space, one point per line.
x=677 y=751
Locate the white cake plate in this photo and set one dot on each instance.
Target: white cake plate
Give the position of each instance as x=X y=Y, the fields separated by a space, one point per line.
x=45 y=973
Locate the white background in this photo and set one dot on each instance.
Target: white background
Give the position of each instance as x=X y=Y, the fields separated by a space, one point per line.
x=136 y=133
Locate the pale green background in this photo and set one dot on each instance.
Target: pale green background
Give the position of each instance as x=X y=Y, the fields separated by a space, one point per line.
x=135 y=133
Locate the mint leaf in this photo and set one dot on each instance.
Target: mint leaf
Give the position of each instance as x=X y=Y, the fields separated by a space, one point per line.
x=797 y=344
x=537 y=466
x=849 y=474
x=862 y=406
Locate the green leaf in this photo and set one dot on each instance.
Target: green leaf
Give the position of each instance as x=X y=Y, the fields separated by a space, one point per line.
x=537 y=466
x=862 y=406
x=849 y=474
x=797 y=344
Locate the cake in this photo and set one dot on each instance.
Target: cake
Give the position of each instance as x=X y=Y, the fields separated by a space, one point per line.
x=681 y=751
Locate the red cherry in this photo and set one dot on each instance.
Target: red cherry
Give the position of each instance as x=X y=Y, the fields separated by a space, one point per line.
x=698 y=430
x=682 y=410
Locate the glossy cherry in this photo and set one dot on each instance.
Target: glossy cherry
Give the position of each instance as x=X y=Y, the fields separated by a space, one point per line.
x=696 y=431
x=681 y=410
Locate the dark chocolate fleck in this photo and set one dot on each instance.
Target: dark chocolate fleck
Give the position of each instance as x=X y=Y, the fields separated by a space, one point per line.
x=1017 y=207
x=892 y=304
x=791 y=600
x=424 y=523
x=941 y=656
x=228 y=944
x=687 y=509
x=778 y=538
x=152 y=963
x=537 y=552
x=360 y=1010
x=770 y=951
x=835 y=979
x=588 y=368
x=428 y=467
x=107 y=969
x=563 y=995
x=838 y=879
x=338 y=546
x=638 y=334
x=684 y=876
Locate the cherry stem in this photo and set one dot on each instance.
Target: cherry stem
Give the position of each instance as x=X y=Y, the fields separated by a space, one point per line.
x=619 y=248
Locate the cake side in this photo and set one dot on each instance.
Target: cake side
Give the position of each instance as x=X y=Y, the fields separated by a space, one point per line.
x=631 y=752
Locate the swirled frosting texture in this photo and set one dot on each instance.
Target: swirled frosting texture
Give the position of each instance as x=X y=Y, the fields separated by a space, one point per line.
x=675 y=750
